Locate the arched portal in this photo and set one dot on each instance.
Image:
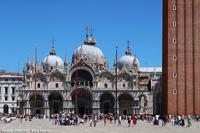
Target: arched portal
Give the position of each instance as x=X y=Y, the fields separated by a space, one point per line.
x=21 y=105
x=55 y=103
x=84 y=78
x=125 y=104
x=37 y=104
x=5 y=109
x=106 y=103
x=84 y=101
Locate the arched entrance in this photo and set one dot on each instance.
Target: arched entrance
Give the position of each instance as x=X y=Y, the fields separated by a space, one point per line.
x=55 y=103
x=21 y=105
x=37 y=104
x=125 y=104
x=106 y=103
x=84 y=78
x=84 y=101
x=5 y=109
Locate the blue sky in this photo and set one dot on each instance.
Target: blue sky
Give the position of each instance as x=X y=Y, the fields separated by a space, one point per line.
x=26 y=22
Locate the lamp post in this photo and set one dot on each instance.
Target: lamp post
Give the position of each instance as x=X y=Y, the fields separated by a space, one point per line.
x=116 y=79
x=76 y=77
x=35 y=76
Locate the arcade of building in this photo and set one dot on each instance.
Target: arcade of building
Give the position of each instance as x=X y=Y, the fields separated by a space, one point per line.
x=56 y=84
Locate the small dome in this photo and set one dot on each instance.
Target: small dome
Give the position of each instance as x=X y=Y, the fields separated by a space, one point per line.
x=92 y=41
x=128 y=61
x=91 y=52
x=54 y=61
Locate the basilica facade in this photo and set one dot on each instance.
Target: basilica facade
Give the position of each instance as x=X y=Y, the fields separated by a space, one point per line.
x=96 y=88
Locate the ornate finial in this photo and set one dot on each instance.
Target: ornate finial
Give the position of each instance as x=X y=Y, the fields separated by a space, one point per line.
x=128 y=51
x=41 y=68
x=76 y=46
x=38 y=65
x=53 y=42
x=91 y=29
x=53 y=52
x=32 y=62
x=86 y=41
x=47 y=61
x=65 y=63
x=28 y=62
x=24 y=70
x=35 y=45
x=128 y=43
x=87 y=29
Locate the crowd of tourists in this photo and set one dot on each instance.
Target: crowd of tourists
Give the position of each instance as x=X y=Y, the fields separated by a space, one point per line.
x=73 y=119
x=93 y=119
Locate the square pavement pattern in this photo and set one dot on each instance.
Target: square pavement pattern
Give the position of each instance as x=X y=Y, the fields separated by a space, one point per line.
x=46 y=126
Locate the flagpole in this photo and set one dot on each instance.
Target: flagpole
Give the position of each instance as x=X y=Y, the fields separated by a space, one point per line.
x=116 y=79
x=76 y=78
x=35 y=72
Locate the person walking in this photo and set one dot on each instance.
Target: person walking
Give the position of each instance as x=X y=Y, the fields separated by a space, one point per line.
x=134 y=120
x=91 y=117
x=129 y=120
x=189 y=121
x=119 y=120
x=95 y=120
x=105 y=120
x=182 y=121
x=21 y=118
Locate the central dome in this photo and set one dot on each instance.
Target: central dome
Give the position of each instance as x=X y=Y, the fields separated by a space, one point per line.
x=89 y=52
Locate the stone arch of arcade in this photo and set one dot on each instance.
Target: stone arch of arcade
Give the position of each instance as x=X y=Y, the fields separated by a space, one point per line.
x=37 y=105
x=55 y=102
x=106 y=103
x=84 y=101
x=125 y=103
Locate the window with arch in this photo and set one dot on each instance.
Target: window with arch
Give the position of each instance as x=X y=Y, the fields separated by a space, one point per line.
x=38 y=85
x=124 y=85
x=106 y=85
x=56 y=85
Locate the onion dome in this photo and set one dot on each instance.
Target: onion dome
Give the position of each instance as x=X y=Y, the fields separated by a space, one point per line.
x=92 y=40
x=128 y=61
x=86 y=41
x=53 y=60
x=91 y=53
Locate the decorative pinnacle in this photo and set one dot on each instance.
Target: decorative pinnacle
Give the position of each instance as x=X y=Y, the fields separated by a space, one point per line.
x=35 y=45
x=87 y=29
x=76 y=46
x=53 y=42
x=91 y=29
x=128 y=51
x=128 y=43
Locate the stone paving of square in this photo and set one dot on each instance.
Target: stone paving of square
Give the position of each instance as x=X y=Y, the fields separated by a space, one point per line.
x=46 y=126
